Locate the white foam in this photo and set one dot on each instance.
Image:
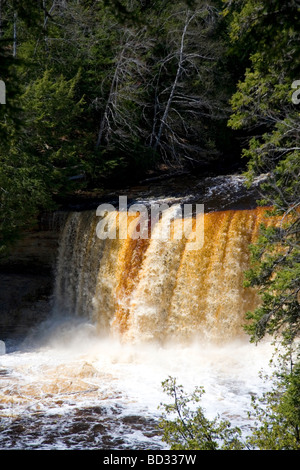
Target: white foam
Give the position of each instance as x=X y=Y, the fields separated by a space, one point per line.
x=80 y=370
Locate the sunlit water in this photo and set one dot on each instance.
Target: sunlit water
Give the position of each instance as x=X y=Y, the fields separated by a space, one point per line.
x=65 y=388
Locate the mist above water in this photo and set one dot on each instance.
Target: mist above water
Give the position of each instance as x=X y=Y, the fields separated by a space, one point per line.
x=68 y=372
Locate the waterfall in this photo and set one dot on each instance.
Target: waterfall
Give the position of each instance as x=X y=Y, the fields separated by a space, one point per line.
x=149 y=289
x=137 y=300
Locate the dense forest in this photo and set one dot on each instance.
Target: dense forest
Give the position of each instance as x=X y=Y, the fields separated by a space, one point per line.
x=105 y=93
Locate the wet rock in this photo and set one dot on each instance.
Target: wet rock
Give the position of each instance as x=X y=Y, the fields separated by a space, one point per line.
x=99 y=428
x=78 y=427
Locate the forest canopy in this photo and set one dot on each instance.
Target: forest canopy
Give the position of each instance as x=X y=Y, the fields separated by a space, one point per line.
x=105 y=92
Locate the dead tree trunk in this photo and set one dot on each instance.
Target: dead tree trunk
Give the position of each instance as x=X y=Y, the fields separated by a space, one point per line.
x=1 y=31
x=164 y=118
x=15 y=35
x=104 y=124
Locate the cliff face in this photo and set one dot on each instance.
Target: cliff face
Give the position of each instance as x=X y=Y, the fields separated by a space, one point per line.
x=35 y=253
x=26 y=279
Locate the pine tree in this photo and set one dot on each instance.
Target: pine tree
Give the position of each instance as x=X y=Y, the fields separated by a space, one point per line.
x=263 y=107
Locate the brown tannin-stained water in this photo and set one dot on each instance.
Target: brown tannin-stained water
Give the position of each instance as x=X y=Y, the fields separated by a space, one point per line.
x=127 y=314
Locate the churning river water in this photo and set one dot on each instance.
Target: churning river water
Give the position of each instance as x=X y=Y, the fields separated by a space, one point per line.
x=64 y=388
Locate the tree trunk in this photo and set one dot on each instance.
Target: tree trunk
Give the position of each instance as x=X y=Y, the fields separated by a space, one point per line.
x=15 y=35
x=105 y=117
x=1 y=31
x=178 y=73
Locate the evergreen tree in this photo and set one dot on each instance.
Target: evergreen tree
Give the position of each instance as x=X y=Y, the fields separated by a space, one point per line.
x=263 y=106
x=277 y=412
